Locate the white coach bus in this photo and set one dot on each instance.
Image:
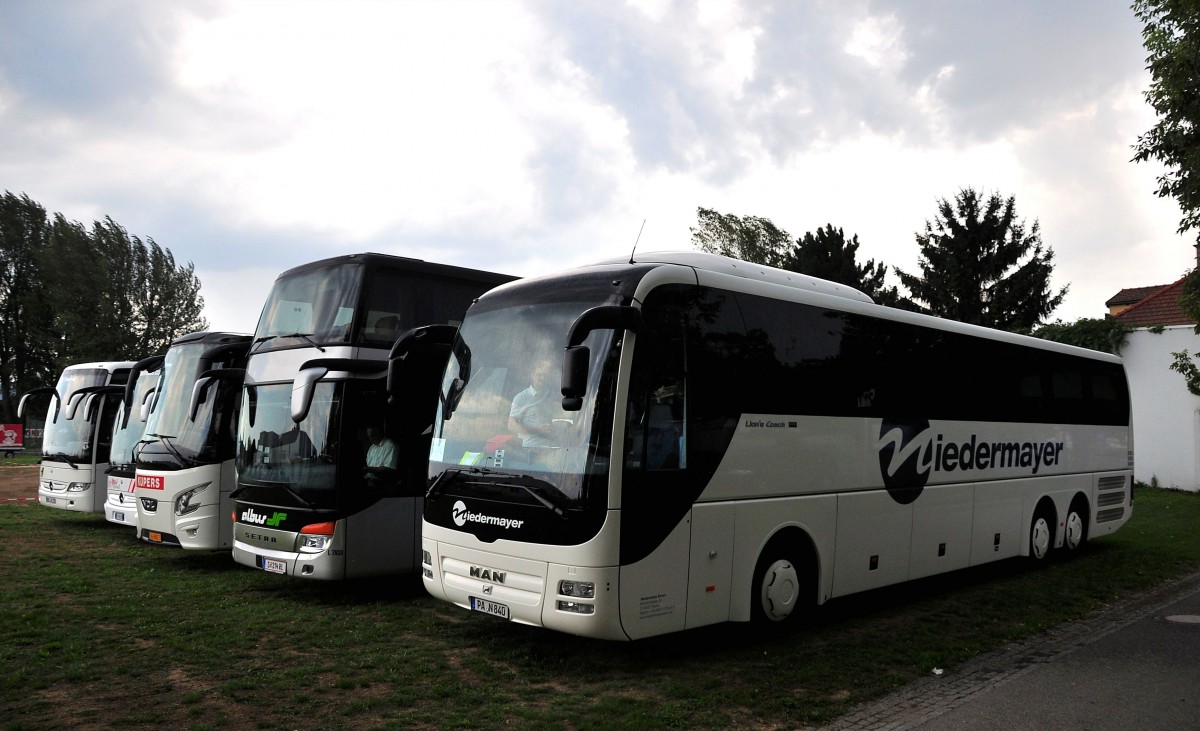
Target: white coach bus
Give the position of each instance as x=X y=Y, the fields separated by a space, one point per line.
x=734 y=442
x=184 y=466
x=75 y=448
x=120 y=507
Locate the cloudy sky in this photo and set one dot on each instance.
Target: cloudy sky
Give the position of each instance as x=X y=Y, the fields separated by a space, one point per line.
x=529 y=136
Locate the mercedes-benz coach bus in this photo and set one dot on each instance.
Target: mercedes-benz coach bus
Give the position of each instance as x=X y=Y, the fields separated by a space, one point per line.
x=76 y=441
x=184 y=466
x=128 y=427
x=630 y=449
x=331 y=464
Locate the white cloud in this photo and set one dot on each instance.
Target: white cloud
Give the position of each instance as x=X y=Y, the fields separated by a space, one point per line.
x=524 y=136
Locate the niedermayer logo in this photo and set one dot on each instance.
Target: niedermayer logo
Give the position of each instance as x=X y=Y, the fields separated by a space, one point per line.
x=461 y=516
x=904 y=458
x=910 y=452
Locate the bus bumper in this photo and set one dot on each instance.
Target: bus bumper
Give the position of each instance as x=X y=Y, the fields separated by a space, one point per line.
x=573 y=599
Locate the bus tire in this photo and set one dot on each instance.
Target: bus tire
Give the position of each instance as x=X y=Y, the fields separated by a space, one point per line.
x=781 y=585
x=1076 y=525
x=1041 y=533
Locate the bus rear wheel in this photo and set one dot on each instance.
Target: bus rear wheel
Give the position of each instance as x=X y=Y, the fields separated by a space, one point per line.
x=1041 y=535
x=1075 y=529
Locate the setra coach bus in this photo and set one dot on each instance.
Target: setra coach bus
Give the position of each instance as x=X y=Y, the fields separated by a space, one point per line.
x=634 y=448
x=333 y=441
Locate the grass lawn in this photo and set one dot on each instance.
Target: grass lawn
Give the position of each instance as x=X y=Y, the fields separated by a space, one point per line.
x=98 y=630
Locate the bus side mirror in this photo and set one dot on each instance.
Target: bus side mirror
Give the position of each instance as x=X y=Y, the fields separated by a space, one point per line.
x=577 y=356
x=147 y=405
x=576 y=360
x=73 y=403
x=302 y=391
x=199 y=396
x=44 y=389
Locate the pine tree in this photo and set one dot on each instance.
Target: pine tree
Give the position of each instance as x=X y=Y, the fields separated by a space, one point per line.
x=980 y=265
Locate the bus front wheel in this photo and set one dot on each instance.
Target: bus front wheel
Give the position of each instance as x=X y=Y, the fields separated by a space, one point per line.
x=780 y=587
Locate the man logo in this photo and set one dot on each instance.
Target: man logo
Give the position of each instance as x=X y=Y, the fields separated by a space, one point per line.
x=904 y=459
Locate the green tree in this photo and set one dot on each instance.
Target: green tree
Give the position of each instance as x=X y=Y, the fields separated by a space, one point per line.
x=27 y=337
x=980 y=265
x=1105 y=334
x=71 y=294
x=827 y=254
x=748 y=238
x=1171 y=35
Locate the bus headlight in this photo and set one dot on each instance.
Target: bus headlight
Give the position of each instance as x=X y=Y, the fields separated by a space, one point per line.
x=78 y=486
x=579 y=589
x=314 y=544
x=315 y=538
x=189 y=500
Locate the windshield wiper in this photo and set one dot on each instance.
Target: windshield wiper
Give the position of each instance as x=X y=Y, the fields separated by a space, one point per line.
x=185 y=461
x=531 y=485
x=307 y=337
x=536 y=492
x=437 y=485
x=61 y=457
x=281 y=485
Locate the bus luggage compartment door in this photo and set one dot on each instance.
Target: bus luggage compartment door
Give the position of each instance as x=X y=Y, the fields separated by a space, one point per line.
x=711 y=565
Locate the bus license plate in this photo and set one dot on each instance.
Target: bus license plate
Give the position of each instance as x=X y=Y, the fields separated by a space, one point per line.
x=50 y=500
x=273 y=565
x=119 y=517
x=155 y=537
x=488 y=606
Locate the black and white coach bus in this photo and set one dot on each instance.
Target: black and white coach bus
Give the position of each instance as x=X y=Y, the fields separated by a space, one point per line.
x=331 y=459
x=734 y=442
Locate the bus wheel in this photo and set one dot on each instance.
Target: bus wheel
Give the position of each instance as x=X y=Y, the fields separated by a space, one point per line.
x=1041 y=534
x=778 y=590
x=1076 y=526
x=783 y=583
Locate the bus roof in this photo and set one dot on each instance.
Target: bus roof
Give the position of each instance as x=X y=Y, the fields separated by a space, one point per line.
x=403 y=262
x=745 y=269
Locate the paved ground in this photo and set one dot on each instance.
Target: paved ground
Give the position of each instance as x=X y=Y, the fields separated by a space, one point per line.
x=1135 y=664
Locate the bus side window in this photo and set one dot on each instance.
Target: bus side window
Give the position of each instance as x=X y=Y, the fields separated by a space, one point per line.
x=664 y=427
x=655 y=429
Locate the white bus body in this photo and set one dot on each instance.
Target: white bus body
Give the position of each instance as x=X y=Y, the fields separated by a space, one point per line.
x=120 y=507
x=316 y=378
x=75 y=447
x=739 y=443
x=185 y=471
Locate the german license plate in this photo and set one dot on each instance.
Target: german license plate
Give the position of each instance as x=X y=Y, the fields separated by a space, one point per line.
x=50 y=500
x=119 y=517
x=487 y=606
x=273 y=565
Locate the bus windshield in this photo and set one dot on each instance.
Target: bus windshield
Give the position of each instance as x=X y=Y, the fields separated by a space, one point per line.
x=185 y=442
x=500 y=412
x=126 y=437
x=65 y=438
x=316 y=306
x=301 y=459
